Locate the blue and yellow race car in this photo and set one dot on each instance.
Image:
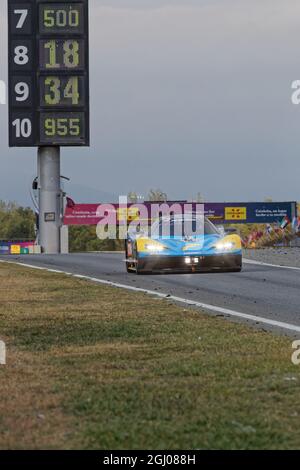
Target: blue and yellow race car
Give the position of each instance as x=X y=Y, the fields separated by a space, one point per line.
x=183 y=249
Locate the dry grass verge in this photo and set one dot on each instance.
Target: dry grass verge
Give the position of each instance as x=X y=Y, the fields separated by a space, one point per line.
x=95 y=367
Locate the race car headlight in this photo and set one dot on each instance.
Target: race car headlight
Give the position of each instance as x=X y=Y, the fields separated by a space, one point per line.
x=224 y=246
x=154 y=247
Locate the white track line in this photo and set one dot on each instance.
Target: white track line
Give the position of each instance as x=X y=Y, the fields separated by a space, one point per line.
x=212 y=308
x=261 y=263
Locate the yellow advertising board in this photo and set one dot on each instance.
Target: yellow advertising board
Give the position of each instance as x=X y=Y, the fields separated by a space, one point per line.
x=128 y=214
x=235 y=213
x=15 y=249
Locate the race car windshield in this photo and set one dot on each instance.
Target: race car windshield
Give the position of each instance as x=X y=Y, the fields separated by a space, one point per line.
x=184 y=227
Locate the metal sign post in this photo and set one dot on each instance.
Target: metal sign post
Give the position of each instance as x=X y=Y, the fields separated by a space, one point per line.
x=48 y=51
x=49 y=198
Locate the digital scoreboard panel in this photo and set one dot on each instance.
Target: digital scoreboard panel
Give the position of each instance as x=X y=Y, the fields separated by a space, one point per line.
x=48 y=73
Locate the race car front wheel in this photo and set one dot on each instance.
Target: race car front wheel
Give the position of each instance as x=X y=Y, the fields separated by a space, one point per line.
x=130 y=265
x=133 y=266
x=138 y=268
x=235 y=269
x=141 y=266
x=129 y=268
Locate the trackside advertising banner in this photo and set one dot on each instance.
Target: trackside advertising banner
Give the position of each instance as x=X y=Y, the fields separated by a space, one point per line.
x=250 y=212
x=219 y=213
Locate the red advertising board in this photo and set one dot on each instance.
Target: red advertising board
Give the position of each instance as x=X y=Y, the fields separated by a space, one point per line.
x=81 y=214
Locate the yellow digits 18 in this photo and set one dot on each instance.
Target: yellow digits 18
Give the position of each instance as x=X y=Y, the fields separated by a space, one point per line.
x=71 y=54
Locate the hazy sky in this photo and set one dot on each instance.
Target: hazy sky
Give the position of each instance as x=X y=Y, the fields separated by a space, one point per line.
x=186 y=95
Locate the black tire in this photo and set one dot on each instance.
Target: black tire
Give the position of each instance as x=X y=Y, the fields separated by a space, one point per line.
x=238 y=267
x=141 y=266
x=138 y=268
x=236 y=270
x=129 y=265
x=129 y=269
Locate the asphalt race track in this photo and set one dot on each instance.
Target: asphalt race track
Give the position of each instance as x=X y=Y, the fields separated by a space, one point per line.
x=269 y=292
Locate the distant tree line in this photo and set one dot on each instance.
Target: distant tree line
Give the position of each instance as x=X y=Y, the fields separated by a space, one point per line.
x=84 y=238
x=16 y=222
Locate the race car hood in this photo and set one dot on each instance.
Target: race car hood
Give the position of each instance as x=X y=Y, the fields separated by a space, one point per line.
x=200 y=245
x=190 y=245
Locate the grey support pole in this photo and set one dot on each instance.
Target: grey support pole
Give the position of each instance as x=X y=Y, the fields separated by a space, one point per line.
x=64 y=231
x=49 y=199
